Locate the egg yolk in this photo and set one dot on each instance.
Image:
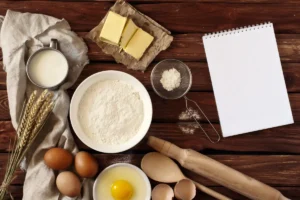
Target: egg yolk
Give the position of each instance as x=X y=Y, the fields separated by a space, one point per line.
x=121 y=190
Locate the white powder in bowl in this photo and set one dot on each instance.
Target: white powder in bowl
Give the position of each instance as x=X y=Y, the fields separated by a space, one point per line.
x=170 y=79
x=111 y=112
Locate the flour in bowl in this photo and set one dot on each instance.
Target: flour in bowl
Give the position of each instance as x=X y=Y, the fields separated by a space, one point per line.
x=111 y=112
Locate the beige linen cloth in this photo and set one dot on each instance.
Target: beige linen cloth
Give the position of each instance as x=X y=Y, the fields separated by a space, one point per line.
x=162 y=37
x=21 y=35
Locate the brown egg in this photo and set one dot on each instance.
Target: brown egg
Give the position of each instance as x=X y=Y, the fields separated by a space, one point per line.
x=58 y=158
x=185 y=189
x=86 y=165
x=68 y=184
x=162 y=192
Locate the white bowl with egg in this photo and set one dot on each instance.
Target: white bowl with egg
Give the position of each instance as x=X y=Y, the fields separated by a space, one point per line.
x=88 y=128
x=124 y=181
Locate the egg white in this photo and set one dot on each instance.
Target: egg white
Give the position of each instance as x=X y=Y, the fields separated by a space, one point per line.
x=106 y=179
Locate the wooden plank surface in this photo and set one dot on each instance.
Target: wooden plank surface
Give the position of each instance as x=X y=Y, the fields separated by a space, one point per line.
x=189 y=47
x=177 y=17
x=169 y=110
x=180 y=1
x=284 y=139
x=288 y=174
x=272 y=155
x=291 y=192
x=201 y=78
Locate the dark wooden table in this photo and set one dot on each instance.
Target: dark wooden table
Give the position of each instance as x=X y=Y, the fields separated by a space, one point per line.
x=271 y=156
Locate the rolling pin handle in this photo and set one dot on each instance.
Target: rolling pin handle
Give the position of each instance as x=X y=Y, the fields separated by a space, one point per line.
x=167 y=149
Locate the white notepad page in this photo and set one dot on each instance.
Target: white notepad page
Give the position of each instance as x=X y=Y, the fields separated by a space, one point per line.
x=247 y=79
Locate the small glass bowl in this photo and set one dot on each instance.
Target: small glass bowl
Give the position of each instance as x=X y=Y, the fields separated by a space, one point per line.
x=186 y=79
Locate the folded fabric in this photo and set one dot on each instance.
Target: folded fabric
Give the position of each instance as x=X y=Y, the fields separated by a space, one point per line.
x=162 y=37
x=21 y=35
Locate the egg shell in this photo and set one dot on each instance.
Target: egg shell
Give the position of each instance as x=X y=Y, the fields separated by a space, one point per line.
x=162 y=192
x=86 y=165
x=185 y=189
x=58 y=158
x=68 y=184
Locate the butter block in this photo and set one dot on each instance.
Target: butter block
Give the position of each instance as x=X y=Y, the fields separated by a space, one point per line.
x=112 y=29
x=128 y=32
x=138 y=44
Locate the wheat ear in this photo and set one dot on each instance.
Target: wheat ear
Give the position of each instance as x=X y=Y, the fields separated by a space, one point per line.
x=21 y=127
x=26 y=112
x=25 y=135
x=41 y=117
x=31 y=118
x=21 y=142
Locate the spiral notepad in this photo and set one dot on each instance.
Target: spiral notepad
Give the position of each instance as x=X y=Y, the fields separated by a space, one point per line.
x=247 y=79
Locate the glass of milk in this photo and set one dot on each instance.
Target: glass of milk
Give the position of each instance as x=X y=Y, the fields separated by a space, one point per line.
x=48 y=67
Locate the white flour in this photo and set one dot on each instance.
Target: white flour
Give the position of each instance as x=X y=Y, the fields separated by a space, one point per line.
x=170 y=79
x=189 y=128
x=111 y=112
x=189 y=114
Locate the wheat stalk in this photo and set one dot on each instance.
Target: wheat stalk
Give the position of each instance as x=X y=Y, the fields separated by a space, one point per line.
x=41 y=117
x=28 y=126
x=25 y=113
x=23 y=121
x=30 y=120
x=33 y=118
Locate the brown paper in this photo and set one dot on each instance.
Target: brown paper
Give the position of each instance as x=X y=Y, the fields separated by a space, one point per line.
x=162 y=37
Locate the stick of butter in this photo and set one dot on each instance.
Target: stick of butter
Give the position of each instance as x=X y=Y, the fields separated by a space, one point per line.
x=113 y=28
x=128 y=32
x=138 y=44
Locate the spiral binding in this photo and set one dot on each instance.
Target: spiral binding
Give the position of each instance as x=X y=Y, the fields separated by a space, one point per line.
x=237 y=30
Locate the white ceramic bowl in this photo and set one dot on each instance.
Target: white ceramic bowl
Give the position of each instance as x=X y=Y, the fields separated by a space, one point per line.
x=103 y=76
x=144 y=176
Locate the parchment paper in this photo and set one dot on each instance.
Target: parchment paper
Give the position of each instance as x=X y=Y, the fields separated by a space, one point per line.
x=162 y=37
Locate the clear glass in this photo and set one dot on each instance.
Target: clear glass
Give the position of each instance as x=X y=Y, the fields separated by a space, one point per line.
x=186 y=79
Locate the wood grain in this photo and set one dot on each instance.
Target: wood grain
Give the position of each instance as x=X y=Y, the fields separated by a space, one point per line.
x=188 y=1
x=290 y=50
x=215 y=171
x=189 y=47
x=188 y=20
x=4 y=108
x=285 y=139
x=169 y=110
x=291 y=192
x=83 y=16
x=201 y=77
x=278 y=170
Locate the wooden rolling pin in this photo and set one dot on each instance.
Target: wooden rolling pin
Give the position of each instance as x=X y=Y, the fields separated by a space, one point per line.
x=216 y=171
